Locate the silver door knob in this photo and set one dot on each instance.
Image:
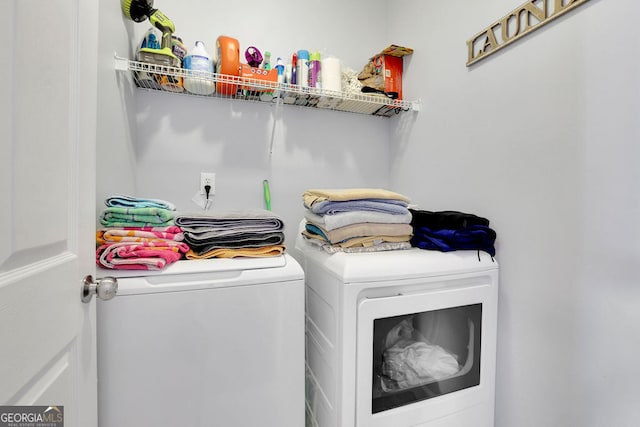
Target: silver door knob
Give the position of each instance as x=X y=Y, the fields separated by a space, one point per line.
x=105 y=288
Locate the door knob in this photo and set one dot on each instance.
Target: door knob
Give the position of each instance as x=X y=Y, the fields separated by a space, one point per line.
x=105 y=288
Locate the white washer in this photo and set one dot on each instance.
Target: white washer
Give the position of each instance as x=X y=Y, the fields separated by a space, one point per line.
x=204 y=343
x=355 y=303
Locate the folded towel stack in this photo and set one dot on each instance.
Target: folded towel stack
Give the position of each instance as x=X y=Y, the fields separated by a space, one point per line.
x=252 y=233
x=451 y=230
x=357 y=220
x=138 y=234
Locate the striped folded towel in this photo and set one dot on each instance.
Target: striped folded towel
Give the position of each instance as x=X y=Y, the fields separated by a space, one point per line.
x=136 y=217
x=139 y=234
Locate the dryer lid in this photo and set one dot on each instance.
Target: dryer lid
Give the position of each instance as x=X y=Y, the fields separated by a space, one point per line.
x=400 y=264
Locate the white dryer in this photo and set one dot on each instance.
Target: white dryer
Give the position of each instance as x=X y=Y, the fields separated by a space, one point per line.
x=400 y=338
x=204 y=343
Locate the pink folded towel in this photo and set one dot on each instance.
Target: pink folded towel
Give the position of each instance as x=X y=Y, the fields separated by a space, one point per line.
x=140 y=255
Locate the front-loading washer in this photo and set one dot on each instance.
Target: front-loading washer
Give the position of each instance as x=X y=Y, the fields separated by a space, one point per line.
x=216 y=342
x=400 y=338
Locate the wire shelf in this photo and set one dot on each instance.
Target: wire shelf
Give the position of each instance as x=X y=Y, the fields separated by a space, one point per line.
x=164 y=78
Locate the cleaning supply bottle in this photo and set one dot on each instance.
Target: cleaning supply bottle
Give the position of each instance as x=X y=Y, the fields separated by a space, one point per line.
x=280 y=67
x=314 y=70
x=294 y=69
x=302 y=68
x=198 y=71
x=267 y=61
x=152 y=41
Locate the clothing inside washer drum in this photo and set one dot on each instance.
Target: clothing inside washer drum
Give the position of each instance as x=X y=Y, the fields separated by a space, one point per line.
x=410 y=360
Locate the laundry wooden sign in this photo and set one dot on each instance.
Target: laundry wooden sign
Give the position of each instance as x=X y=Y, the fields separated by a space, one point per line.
x=517 y=24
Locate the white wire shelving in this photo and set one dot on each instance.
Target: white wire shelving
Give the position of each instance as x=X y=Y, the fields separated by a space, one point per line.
x=163 y=78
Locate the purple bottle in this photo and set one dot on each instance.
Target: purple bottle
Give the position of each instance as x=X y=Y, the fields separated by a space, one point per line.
x=314 y=70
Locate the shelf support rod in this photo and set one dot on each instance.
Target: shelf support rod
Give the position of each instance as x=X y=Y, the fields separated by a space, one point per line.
x=275 y=121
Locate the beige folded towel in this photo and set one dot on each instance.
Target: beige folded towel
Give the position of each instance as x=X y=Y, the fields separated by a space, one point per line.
x=371 y=241
x=340 y=195
x=361 y=242
x=366 y=229
x=261 y=252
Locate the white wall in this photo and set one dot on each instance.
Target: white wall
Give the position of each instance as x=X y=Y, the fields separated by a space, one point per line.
x=541 y=138
x=174 y=138
x=116 y=125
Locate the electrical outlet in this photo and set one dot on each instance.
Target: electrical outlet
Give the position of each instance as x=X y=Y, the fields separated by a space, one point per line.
x=207 y=178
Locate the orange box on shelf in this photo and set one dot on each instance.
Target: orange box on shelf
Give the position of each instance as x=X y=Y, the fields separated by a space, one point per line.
x=268 y=77
x=388 y=64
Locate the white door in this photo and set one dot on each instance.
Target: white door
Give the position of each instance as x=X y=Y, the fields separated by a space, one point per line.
x=47 y=215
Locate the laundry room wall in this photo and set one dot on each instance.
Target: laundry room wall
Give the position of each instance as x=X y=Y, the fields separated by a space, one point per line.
x=156 y=144
x=541 y=138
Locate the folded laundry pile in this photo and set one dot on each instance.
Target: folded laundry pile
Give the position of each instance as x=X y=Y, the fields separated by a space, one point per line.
x=357 y=220
x=451 y=230
x=251 y=233
x=138 y=234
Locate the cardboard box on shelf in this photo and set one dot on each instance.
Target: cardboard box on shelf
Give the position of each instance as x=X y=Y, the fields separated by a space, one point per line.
x=384 y=70
x=399 y=51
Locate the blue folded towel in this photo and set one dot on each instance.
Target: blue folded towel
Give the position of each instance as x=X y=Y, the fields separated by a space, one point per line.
x=125 y=201
x=327 y=207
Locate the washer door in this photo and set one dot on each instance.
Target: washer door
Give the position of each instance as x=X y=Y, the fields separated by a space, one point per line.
x=420 y=355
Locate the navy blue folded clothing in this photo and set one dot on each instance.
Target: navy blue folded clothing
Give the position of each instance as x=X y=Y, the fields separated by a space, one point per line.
x=450 y=220
x=474 y=237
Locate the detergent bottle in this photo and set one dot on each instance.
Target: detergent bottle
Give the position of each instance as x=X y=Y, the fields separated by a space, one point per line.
x=198 y=71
